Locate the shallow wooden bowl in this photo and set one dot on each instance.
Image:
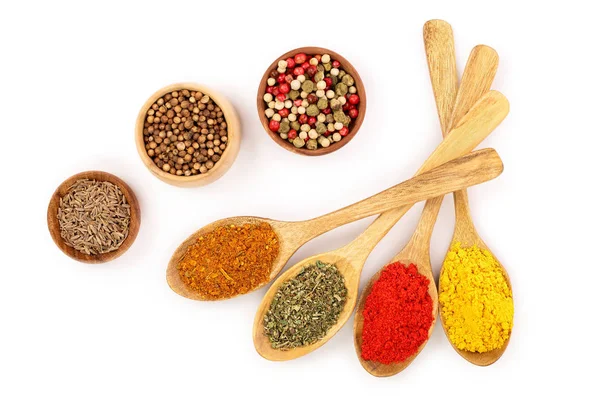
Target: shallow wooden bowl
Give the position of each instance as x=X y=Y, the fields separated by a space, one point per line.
x=54 y=227
x=354 y=126
x=228 y=156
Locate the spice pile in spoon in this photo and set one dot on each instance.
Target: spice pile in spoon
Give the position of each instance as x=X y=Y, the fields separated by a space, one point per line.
x=230 y=260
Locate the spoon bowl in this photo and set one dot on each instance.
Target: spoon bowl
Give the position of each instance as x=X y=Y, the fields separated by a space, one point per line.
x=466 y=234
x=288 y=244
x=351 y=273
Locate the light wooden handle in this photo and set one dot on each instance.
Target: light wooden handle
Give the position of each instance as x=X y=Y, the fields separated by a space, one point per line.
x=477 y=124
x=439 y=49
x=477 y=80
x=441 y=59
x=469 y=170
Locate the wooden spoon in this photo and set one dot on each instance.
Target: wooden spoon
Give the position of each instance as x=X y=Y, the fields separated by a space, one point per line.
x=481 y=59
x=456 y=174
x=439 y=47
x=477 y=124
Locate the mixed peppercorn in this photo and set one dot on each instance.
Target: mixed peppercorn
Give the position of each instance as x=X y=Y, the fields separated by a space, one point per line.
x=311 y=101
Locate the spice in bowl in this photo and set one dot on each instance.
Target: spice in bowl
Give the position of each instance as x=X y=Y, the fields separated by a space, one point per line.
x=397 y=315
x=230 y=260
x=311 y=101
x=185 y=133
x=94 y=217
x=475 y=299
x=305 y=307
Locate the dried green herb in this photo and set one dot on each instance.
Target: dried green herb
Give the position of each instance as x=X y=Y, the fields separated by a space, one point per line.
x=305 y=307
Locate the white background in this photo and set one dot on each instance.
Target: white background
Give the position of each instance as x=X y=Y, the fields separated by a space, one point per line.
x=73 y=77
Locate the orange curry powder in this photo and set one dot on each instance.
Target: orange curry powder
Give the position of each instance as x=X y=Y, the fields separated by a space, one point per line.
x=230 y=260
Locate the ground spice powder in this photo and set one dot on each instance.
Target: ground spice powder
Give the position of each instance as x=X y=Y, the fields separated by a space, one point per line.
x=397 y=315
x=230 y=260
x=476 y=301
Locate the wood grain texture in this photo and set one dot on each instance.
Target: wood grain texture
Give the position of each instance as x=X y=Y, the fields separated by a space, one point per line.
x=353 y=127
x=439 y=50
x=227 y=158
x=462 y=172
x=54 y=226
x=441 y=60
x=350 y=259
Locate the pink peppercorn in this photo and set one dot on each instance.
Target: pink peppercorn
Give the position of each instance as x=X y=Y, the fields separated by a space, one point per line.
x=343 y=131
x=292 y=134
x=328 y=82
x=312 y=121
x=289 y=78
x=284 y=112
x=353 y=99
x=284 y=88
x=270 y=89
x=326 y=111
x=290 y=62
x=303 y=118
x=300 y=58
x=305 y=65
x=275 y=91
x=281 y=97
x=298 y=71
x=281 y=78
x=311 y=70
x=335 y=64
x=273 y=125
x=353 y=113
x=298 y=102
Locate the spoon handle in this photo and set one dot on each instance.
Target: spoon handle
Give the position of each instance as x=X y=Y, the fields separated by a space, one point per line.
x=477 y=124
x=477 y=80
x=469 y=170
x=441 y=60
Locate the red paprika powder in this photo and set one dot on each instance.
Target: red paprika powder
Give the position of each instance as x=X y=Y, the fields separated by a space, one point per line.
x=397 y=315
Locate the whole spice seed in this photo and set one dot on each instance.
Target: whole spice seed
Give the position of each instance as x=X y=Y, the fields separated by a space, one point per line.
x=475 y=299
x=305 y=307
x=185 y=133
x=230 y=260
x=312 y=89
x=397 y=315
x=94 y=217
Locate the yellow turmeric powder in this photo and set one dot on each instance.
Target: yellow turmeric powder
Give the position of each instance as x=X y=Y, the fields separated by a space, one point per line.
x=475 y=299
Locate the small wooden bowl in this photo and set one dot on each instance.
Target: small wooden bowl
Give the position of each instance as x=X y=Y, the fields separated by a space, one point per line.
x=54 y=227
x=221 y=166
x=354 y=126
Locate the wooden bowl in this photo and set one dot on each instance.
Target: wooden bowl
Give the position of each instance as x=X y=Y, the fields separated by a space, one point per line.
x=221 y=166
x=354 y=126
x=54 y=227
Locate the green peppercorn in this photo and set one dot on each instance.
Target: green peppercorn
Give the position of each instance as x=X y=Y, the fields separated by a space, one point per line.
x=294 y=94
x=348 y=80
x=341 y=89
x=320 y=128
x=327 y=67
x=308 y=86
x=341 y=74
x=319 y=76
x=295 y=125
x=322 y=103
x=339 y=116
x=284 y=127
x=298 y=142
x=320 y=68
x=312 y=144
x=312 y=110
x=335 y=104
